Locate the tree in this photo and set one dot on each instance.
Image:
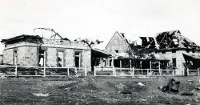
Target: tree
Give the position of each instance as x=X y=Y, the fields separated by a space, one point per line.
x=90 y=43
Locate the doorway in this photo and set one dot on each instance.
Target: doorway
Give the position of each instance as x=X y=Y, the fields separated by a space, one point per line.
x=77 y=59
x=60 y=59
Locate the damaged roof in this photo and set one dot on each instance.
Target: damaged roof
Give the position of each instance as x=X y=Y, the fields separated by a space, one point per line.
x=24 y=37
x=169 y=40
x=174 y=39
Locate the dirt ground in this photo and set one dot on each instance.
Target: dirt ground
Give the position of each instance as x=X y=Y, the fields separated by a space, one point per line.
x=97 y=90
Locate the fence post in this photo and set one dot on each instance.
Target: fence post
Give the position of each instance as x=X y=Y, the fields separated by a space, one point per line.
x=173 y=72
x=133 y=74
x=44 y=75
x=16 y=70
x=76 y=70
x=148 y=72
x=85 y=71
x=68 y=71
x=114 y=71
x=44 y=65
x=188 y=73
x=95 y=71
x=16 y=66
x=160 y=72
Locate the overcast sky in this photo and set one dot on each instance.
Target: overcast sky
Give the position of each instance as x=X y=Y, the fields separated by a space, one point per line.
x=99 y=19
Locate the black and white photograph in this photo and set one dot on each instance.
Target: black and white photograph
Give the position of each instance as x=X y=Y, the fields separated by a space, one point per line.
x=99 y=52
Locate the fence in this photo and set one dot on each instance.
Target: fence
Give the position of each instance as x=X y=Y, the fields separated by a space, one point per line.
x=132 y=72
x=193 y=71
x=41 y=71
x=7 y=70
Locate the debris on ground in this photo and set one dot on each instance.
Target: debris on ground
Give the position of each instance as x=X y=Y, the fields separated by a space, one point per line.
x=141 y=84
x=190 y=81
x=197 y=88
x=126 y=91
x=120 y=86
x=41 y=94
x=172 y=86
x=189 y=93
x=2 y=76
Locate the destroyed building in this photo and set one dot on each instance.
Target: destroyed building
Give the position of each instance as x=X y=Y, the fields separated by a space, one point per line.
x=119 y=48
x=172 y=45
x=167 y=49
x=33 y=50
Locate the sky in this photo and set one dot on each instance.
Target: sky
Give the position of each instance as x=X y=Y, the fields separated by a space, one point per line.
x=99 y=19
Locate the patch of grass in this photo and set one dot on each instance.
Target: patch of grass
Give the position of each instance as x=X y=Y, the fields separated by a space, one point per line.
x=94 y=90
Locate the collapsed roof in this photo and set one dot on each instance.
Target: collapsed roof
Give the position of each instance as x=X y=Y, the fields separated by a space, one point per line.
x=169 y=40
x=174 y=39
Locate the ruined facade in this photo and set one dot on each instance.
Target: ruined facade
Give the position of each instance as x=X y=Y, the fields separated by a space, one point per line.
x=120 y=49
x=167 y=48
x=171 y=45
x=32 y=50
